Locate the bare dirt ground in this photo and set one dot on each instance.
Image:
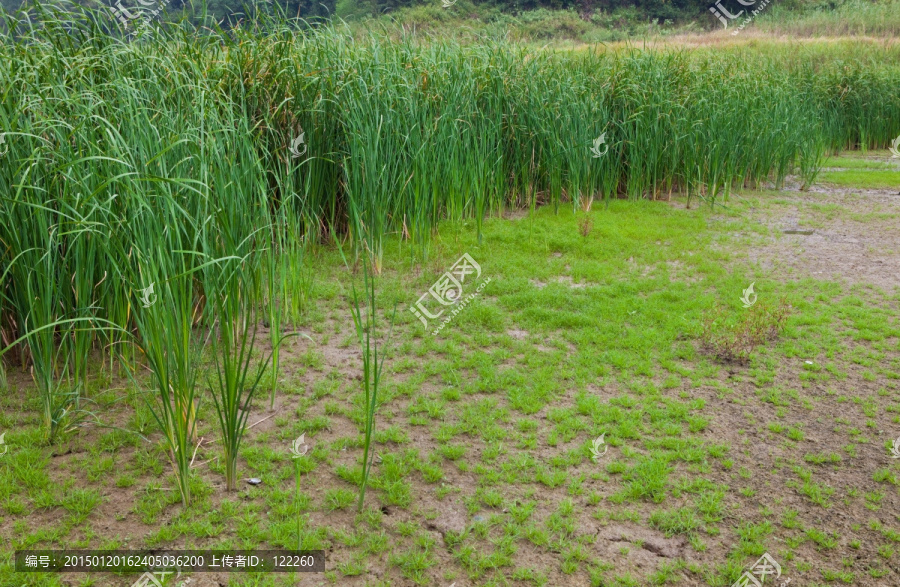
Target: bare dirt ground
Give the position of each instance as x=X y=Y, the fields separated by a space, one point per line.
x=857 y=243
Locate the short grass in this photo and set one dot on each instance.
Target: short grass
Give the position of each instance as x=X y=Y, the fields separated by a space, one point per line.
x=863 y=178
x=860 y=163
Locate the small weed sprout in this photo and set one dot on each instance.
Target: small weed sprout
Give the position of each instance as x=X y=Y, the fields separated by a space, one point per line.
x=585 y=226
x=730 y=340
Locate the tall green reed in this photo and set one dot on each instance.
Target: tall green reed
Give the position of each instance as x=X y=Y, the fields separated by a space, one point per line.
x=233 y=345
x=167 y=340
x=38 y=302
x=364 y=312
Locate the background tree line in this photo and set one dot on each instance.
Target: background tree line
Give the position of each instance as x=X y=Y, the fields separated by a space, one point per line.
x=675 y=11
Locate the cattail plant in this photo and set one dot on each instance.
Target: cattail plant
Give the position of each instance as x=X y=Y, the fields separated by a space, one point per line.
x=164 y=260
x=172 y=352
x=372 y=366
x=37 y=297
x=233 y=344
x=277 y=266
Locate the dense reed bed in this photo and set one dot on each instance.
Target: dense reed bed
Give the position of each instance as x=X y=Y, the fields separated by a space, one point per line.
x=173 y=160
